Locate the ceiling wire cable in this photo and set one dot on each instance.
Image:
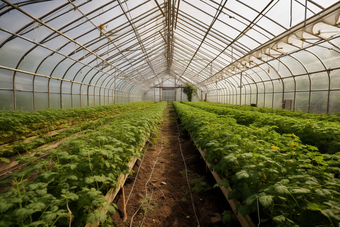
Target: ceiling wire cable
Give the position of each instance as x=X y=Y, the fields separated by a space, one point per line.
x=146 y=190
x=186 y=173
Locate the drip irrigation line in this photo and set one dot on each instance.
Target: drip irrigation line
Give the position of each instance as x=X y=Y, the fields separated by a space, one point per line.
x=186 y=173
x=134 y=215
x=160 y=190
x=135 y=178
x=146 y=190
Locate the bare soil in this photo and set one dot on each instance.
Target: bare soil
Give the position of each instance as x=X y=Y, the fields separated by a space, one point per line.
x=176 y=208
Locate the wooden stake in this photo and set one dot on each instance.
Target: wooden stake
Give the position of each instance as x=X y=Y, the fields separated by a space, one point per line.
x=124 y=207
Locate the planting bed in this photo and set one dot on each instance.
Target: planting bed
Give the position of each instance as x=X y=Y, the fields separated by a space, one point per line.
x=73 y=182
x=176 y=208
x=76 y=184
x=291 y=182
x=17 y=128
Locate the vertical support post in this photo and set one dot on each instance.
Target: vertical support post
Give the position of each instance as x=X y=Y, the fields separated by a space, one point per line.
x=181 y=94
x=14 y=95
x=154 y=94
x=88 y=96
x=61 y=94
x=329 y=89
x=175 y=90
x=33 y=92
x=241 y=89
x=283 y=91
x=48 y=93
x=114 y=89
x=72 y=95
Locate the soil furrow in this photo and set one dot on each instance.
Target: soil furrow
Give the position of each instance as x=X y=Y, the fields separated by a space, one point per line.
x=176 y=208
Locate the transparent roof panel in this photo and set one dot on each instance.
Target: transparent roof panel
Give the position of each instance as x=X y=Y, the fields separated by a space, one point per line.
x=200 y=42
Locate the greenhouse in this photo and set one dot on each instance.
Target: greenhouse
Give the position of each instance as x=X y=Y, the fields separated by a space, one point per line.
x=170 y=113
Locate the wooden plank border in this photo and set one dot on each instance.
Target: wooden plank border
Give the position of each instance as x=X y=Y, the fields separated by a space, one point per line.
x=112 y=193
x=244 y=221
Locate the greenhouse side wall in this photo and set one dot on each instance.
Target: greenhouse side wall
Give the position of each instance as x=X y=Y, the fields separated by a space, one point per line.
x=30 y=93
x=317 y=95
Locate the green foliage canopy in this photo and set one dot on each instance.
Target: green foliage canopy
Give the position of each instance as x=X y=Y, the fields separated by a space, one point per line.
x=189 y=90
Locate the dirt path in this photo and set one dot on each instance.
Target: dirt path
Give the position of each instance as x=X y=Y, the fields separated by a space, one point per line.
x=176 y=208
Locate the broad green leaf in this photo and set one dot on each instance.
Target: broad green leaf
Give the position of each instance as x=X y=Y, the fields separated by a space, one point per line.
x=250 y=199
x=36 y=206
x=244 y=210
x=226 y=218
x=300 y=191
x=111 y=209
x=73 y=177
x=266 y=200
x=54 y=208
x=242 y=175
x=313 y=206
x=323 y=192
x=279 y=219
x=281 y=190
x=41 y=191
x=23 y=213
x=284 y=181
x=230 y=158
x=223 y=183
x=231 y=194
x=49 y=217
x=331 y=213
x=4 y=206
x=70 y=196
x=333 y=204
x=5 y=160
x=312 y=183
x=37 y=223
x=47 y=175
x=89 y=180
x=102 y=218
x=6 y=223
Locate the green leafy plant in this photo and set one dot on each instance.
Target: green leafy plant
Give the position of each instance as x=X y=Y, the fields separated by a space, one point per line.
x=82 y=170
x=189 y=90
x=293 y=182
x=324 y=135
x=41 y=137
x=148 y=205
x=196 y=181
x=16 y=124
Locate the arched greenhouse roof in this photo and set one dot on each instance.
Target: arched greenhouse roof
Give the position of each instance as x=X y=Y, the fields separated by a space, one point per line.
x=72 y=53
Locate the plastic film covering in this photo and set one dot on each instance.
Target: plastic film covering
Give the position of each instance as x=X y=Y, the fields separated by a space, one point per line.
x=75 y=53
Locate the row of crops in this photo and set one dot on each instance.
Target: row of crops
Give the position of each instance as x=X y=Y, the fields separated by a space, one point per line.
x=279 y=164
x=22 y=131
x=325 y=135
x=71 y=183
x=335 y=117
